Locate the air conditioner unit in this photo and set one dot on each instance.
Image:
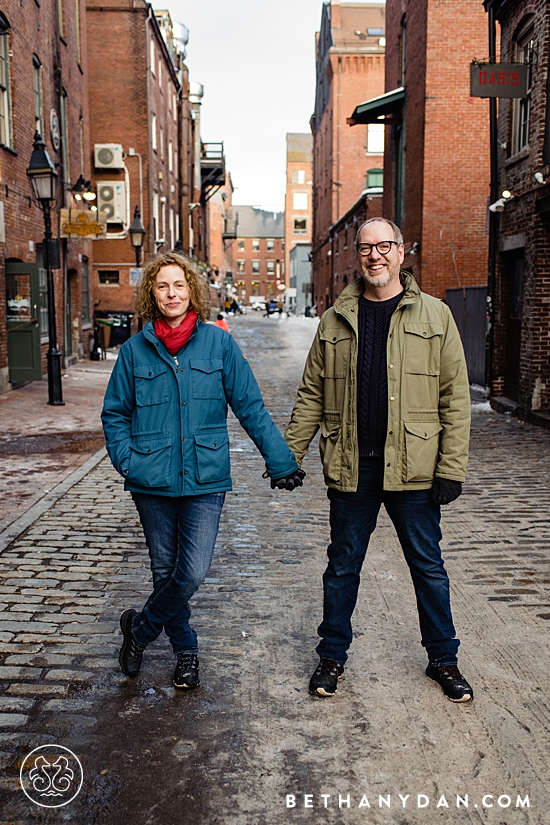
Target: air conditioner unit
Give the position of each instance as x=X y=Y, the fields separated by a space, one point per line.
x=108 y=156
x=111 y=201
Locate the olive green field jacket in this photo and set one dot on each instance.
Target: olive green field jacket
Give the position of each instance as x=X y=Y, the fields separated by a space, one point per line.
x=428 y=394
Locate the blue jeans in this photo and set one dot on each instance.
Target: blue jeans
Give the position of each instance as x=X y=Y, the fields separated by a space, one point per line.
x=180 y=533
x=416 y=520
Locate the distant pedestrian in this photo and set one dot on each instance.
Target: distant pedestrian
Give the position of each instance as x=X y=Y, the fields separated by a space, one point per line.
x=234 y=307
x=386 y=383
x=267 y=312
x=280 y=307
x=222 y=323
x=165 y=422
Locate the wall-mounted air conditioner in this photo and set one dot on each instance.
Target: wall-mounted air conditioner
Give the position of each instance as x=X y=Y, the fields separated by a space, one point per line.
x=108 y=156
x=111 y=201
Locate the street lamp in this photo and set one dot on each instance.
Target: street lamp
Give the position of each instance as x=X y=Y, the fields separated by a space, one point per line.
x=42 y=175
x=137 y=234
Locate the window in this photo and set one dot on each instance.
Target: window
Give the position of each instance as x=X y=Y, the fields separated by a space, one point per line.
x=240 y=267
x=375 y=32
x=174 y=107
x=522 y=107
x=5 y=98
x=42 y=295
x=86 y=319
x=172 y=239
x=270 y=289
x=255 y=288
x=298 y=176
x=241 y=288
x=152 y=55
x=255 y=245
x=154 y=132
x=375 y=178
x=240 y=244
x=255 y=267
x=161 y=141
x=299 y=200
x=160 y=73
x=300 y=226
x=170 y=155
x=270 y=267
x=77 y=21
x=65 y=136
x=375 y=139
x=156 y=215
x=37 y=82
x=270 y=244
x=108 y=276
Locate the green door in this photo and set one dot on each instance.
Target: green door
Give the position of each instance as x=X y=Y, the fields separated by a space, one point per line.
x=22 y=307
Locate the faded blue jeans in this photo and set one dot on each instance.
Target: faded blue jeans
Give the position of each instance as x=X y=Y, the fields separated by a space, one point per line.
x=416 y=520
x=180 y=533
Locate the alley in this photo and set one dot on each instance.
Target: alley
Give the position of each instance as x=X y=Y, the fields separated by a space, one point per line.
x=251 y=741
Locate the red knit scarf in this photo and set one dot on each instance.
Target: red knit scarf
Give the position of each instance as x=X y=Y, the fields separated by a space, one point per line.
x=174 y=338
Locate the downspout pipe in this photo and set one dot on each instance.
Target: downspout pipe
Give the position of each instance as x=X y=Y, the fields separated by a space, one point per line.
x=494 y=218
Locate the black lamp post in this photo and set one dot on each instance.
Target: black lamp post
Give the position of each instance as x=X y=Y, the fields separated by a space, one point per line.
x=137 y=234
x=42 y=176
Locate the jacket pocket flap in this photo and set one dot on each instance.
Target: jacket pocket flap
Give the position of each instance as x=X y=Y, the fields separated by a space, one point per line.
x=335 y=334
x=153 y=446
x=330 y=425
x=206 y=364
x=424 y=330
x=213 y=439
x=424 y=430
x=149 y=370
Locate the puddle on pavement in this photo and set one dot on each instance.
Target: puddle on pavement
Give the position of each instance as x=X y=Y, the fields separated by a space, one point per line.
x=66 y=442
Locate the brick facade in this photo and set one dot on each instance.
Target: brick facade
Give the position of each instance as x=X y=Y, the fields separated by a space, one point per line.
x=134 y=97
x=37 y=39
x=442 y=139
x=520 y=367
x=350 y=69
x=259 y=254
x=298 y=194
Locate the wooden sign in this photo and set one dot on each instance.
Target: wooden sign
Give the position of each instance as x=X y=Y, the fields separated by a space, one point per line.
x=81 y=223
x=499 y=79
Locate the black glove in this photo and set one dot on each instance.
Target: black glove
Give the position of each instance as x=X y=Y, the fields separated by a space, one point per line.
x=288 y=482
x=445 y=490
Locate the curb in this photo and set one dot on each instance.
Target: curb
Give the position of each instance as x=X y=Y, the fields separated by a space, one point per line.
x=38 y=509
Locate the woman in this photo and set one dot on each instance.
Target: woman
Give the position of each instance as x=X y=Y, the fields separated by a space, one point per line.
x=165 y=422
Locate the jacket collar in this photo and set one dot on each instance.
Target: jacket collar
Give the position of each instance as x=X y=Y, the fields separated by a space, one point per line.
x=150 y=335
x=346 y=303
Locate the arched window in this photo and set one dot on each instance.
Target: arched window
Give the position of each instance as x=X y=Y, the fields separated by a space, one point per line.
x=523 y=52
x=37 y=79
x=5 y=96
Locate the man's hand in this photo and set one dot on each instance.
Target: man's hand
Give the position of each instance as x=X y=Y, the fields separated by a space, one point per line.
x=445 y=490
x=288 y=482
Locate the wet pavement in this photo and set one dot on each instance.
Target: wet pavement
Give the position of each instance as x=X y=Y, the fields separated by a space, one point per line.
x=250 y=741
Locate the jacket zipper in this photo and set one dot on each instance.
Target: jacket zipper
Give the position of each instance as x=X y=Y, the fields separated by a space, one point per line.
x=176 y=360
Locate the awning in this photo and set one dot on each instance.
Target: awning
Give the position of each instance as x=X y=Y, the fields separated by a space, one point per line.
x=370 y=111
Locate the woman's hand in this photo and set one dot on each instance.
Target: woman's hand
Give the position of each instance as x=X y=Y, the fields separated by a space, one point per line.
x=288 y=482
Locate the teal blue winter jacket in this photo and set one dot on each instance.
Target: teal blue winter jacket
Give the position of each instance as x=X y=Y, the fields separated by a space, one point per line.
x=165 y=417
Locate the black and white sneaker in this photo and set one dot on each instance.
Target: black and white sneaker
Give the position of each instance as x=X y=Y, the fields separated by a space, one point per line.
x=131 y=653
x=324 y=681
x=454 y=685
x=186 y=674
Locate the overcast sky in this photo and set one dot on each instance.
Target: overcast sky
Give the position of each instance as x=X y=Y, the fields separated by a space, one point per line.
x=256 y=60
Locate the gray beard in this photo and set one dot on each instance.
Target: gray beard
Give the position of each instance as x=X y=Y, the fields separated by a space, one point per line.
x=381 y=281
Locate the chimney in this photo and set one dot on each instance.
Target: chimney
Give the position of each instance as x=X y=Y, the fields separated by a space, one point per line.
x=335 y=14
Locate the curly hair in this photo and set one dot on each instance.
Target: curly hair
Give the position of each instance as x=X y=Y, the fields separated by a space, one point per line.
x=146 y=306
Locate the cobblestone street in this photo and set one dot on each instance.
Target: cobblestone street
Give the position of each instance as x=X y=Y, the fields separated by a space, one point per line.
x=233 y=750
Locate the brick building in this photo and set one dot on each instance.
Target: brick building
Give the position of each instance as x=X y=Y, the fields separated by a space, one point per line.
x=436 y=170
x=346 y=161
x=222 y=237
x=298 y=194
x=519 y=369
x=259 y=254
x=43 y=86
x=134 y=92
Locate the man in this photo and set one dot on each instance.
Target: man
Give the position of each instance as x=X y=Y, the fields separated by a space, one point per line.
x=386 y=383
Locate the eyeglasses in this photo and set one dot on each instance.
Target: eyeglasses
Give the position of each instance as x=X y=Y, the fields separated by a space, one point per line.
x=382 y=247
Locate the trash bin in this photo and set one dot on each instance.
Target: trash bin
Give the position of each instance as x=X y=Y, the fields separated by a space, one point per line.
x=116 y=324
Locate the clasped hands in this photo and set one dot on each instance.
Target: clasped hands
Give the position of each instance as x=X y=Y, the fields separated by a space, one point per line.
x=289 y=482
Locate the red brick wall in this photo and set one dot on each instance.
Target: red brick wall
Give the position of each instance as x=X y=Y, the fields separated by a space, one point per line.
x=33 y=30
x=263 y=255
x=124 y=94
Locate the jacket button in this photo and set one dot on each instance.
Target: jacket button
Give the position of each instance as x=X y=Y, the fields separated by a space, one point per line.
x=425 y=435
x=334 y=339
x=388 y=465
x=186 y=473
x=185 y=439
x=392 y=398
x=148 y=451
x=424 y=333
x=213 y=443
x=150 y=373
x=391 y=367
x=183 y=403
x=390 y=432
x=208 y=368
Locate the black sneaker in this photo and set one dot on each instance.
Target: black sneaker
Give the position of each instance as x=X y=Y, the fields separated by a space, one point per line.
x=324 y=681
x=452 y=681
x=131 y=653
x=186 y=674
